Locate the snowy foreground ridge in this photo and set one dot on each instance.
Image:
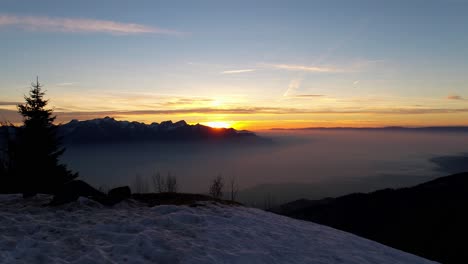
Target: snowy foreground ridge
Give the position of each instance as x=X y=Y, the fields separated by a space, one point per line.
x=85 y=232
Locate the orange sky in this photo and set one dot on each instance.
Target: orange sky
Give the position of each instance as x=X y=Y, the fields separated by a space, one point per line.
x=272 y=64
x=246 y=113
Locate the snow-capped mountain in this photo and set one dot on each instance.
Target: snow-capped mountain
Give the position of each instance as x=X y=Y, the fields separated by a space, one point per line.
x=110 y=130
x=87 y=232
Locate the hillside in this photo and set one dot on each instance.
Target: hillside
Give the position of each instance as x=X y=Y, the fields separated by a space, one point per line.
x=429 y=219
x=86 y=232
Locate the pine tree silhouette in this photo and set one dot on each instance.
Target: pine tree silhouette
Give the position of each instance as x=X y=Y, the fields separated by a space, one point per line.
x=38 y=147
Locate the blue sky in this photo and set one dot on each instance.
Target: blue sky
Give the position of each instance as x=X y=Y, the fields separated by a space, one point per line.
x=250 y=63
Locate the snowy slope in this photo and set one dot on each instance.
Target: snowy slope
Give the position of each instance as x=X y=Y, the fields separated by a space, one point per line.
x=85 y=232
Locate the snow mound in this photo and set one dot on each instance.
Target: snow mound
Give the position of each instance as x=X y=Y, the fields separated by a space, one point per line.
x=84 y=232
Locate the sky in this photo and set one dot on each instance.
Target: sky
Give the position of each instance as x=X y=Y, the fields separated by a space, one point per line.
x=245 y=64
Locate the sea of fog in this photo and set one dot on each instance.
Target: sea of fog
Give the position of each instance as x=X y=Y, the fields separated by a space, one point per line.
x=298 y=164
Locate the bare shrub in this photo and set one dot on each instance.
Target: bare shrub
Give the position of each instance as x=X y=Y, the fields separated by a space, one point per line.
x=234 y=188
x=216 y=188
x=158 y=183
x=161 y=184
x=139 y=184
x=171 y=183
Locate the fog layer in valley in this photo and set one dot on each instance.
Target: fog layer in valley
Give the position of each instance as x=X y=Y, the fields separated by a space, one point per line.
x=299 y=164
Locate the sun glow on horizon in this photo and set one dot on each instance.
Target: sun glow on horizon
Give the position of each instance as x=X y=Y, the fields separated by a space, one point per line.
x=219 y=124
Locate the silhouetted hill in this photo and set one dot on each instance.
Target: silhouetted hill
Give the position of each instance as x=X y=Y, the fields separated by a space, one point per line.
x=430 y=219
x=109 y=130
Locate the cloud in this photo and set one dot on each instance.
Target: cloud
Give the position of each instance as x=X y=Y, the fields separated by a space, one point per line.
x=308 y=95
x=261 y=110
x=80 y=25
x=9 y=103
x=294 y=86
x=237 y=71
x=455 y=97
x=186 y=101
x=65 y=84
x=293 y=67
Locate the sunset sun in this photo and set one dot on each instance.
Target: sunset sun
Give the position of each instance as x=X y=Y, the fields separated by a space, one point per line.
x=219 y=124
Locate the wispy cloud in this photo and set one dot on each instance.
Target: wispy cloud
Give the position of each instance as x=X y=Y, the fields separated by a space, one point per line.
x=275 y=110
x=293 y=86
x=308 y=95
x=306 y=68
x=187 y=101
x=237 y=71
x=9 y=103
x=65 y=84
x=80 y=25
x=455 y=97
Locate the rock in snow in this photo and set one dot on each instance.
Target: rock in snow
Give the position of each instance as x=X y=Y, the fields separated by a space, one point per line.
x=86 y=232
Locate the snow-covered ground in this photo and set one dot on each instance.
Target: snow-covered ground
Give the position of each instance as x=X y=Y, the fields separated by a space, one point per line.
x=85 y=232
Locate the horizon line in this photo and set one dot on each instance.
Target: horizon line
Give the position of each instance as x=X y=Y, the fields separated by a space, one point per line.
x=371 y=127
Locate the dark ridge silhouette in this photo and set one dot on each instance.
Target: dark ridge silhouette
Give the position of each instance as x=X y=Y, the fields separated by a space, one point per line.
x=429 y=219
x=109 y=130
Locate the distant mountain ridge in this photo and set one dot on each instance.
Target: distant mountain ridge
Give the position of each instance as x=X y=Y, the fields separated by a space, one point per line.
x=458 y=129
x=109 y=130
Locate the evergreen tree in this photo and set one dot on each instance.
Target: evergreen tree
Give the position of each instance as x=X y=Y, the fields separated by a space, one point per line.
x=38 y=147
x=7 y=183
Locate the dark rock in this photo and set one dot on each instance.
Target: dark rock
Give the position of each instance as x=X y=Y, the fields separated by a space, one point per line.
x=120 y=193
x=70 y=192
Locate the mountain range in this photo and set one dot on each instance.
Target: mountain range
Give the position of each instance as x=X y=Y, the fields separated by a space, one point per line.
x=109 y=130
